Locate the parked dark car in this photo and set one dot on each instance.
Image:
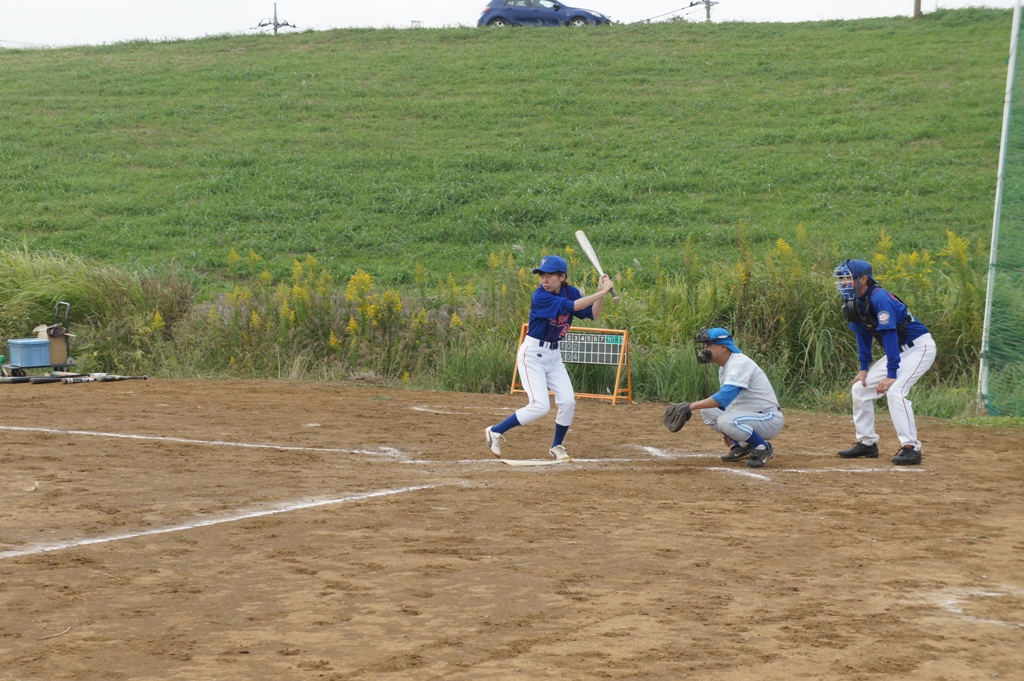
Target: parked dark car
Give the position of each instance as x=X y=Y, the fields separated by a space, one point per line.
x=537 y=13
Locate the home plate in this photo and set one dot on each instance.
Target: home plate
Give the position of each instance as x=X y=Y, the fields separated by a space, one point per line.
x=533 y=462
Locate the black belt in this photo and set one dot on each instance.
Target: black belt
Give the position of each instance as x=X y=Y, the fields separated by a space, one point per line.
x=549 y=344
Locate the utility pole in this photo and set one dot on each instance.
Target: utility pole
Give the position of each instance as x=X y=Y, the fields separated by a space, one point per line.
x=708 y=3
x=917 y=9
x=274 y=22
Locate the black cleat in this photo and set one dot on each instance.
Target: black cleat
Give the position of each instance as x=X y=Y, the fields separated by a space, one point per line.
x=759 y=457
x=737 y=453
x=860 y=450
x=907 y=456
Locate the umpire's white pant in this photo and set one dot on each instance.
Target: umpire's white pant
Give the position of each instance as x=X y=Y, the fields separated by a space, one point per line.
x=914 y=362
x=739 y=425
x=541 y=369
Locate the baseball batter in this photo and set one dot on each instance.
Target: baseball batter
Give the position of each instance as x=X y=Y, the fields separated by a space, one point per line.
x=554 y=304
x=875 y=314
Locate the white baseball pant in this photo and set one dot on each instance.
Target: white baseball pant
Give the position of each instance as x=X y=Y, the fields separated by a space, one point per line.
x=541 y=369
x=914 y=362
x=739 y=425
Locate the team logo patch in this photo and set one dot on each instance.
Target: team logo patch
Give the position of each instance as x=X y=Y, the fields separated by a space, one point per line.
x=883 y=317
x=733 y=375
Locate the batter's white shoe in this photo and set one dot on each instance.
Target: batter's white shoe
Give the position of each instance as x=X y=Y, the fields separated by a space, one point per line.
x=493 y=441
x=558 y=451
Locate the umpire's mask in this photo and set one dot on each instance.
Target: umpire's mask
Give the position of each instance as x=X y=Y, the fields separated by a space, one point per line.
x=844 y=281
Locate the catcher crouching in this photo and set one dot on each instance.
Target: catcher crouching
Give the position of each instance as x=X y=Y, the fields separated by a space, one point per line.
x=745 y=409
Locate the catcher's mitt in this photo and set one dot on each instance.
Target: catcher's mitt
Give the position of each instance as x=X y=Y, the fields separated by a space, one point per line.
x=676 y=415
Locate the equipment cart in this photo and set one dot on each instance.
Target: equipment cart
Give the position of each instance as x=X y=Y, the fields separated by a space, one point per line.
x=48 y=349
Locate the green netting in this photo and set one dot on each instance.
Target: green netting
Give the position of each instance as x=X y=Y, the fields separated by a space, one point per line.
x=1004 y=357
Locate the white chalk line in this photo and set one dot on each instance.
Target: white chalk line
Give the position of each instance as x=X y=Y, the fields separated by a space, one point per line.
x=662 y=454
x=893 y=469
x=393 y=453
x=281 y=508
x=953 y=603
x=740 y=471
x=448 y=412
x=486 y=461
x=383 y=451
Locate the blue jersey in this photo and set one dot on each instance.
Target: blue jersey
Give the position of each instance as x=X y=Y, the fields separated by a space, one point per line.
x=551 y=313
x=886 y=319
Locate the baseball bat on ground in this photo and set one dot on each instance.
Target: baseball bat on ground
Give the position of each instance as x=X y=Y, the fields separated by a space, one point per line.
x=100 y=378
x=44 y=379
x=589 y=250
x=75 y=378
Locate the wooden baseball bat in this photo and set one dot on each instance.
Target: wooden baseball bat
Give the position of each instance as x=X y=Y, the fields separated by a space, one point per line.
x=589 y=250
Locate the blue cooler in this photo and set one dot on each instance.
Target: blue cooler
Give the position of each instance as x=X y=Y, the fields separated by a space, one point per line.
x=29 y=352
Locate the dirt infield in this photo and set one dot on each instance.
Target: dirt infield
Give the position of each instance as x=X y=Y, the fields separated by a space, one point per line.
x=278 y=530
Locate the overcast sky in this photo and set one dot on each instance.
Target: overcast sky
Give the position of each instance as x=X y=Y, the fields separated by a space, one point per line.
x=32 y=23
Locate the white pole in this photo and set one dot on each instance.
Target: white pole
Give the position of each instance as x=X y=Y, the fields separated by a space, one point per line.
x=986 y=325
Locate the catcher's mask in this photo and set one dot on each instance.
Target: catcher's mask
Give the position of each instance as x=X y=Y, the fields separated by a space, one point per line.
x=847 y=274
x=717 y=335
x=702 y=339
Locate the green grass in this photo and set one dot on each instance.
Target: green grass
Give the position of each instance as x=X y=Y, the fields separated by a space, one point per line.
x=384 y=148
x=721 y=169
x=990 y=421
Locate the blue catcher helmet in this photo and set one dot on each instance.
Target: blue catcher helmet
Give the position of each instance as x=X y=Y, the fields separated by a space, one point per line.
x=717 y=335
x=847 y=273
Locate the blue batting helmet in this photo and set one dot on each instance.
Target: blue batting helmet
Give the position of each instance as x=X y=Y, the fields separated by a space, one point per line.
x=551 y=264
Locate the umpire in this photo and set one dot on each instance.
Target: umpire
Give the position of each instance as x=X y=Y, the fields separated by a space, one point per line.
x=874 y=314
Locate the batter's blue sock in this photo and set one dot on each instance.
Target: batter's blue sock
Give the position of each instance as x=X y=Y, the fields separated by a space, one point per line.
x=560 y=432
x=510 y=422
x=757 y=441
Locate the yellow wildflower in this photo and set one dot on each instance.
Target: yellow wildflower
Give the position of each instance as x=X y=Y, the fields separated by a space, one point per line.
x=253 y=259
x=359 y=285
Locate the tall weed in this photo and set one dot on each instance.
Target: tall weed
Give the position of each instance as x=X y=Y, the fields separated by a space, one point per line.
x=118 y=318
x=452 y=334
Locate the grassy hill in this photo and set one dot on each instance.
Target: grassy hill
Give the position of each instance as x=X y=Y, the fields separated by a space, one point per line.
x=384 y=148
